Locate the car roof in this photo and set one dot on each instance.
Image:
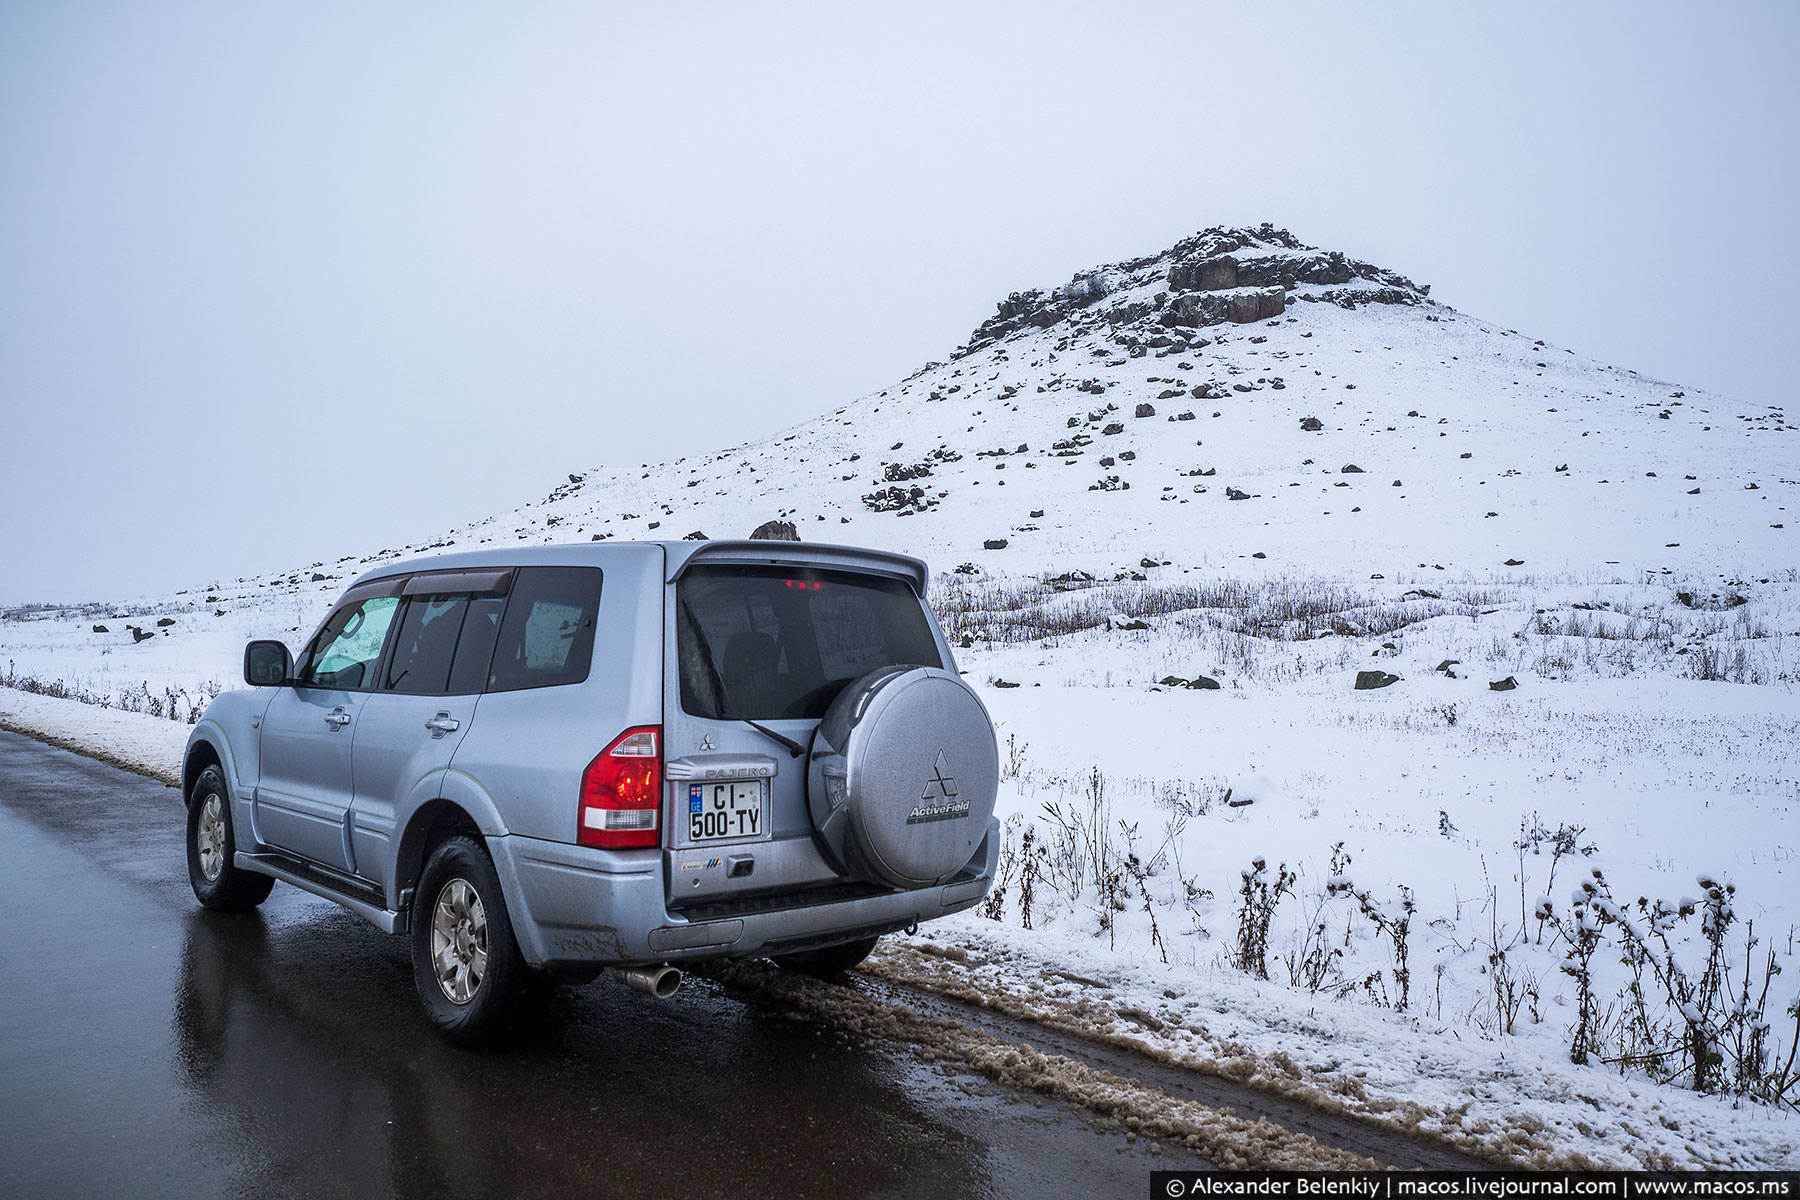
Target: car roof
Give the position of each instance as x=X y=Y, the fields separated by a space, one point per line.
x=677 y=555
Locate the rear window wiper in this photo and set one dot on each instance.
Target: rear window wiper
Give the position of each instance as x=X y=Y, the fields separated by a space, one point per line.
x=706 y=656
x=794 y=748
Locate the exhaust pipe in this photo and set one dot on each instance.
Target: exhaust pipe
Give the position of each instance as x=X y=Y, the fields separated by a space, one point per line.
x=661 y=982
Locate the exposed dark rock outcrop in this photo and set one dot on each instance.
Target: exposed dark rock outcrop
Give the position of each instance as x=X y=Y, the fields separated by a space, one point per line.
x=1218 y=275
x=1239 y=305
x=775 y=531
x=897 y=499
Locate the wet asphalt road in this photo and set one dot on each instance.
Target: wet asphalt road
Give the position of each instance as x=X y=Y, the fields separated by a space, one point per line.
x=150 y=1048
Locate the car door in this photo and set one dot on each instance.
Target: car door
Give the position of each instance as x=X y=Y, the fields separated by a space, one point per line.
x=760 y=651
x=412 y=723
x=303 y=793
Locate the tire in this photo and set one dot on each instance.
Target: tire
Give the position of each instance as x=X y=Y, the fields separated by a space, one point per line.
x=467 y=968
x=903 y=777
x=829 y=963
x=211 y=844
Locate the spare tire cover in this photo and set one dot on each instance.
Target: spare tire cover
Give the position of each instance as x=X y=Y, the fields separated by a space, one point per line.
x=903 y=776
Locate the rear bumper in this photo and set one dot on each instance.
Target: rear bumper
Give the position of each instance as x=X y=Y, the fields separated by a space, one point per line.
x=571 y=904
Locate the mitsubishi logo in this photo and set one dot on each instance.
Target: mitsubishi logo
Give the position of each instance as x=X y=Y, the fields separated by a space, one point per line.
x=939 y=802
x=942 y=784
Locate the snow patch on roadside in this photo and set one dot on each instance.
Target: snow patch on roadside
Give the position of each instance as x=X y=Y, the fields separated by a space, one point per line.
x=132 y=741
x=1510 y=1101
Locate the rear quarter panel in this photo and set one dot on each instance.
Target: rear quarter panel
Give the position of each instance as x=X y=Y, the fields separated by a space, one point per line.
x=527 y=749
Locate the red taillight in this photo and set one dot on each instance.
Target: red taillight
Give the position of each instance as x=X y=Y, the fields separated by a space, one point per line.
x=621 y=792
x=805 y=585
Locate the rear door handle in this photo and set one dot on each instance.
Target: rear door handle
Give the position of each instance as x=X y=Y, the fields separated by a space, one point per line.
x=443 y=723
x=337 y=718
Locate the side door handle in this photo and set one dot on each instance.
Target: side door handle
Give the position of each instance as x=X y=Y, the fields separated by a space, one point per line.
x=443 y=723
x=337 y=718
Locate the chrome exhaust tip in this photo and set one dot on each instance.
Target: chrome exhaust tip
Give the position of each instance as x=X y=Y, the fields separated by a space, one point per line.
x=662 y=981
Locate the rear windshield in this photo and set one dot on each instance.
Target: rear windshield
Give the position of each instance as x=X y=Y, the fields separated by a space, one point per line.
x=773 y=643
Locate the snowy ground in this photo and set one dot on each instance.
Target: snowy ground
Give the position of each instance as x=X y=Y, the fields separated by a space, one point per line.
x=1619 y=548
x=1654 y=781
x=135 y=741
x=1512 y=1103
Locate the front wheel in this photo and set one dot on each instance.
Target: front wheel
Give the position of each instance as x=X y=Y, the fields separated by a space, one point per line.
x=830 y=962
x=211 y=847
x=467 y=967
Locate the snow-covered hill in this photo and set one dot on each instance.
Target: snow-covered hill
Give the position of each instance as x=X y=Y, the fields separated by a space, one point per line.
x=1241 y=400
x=1099 y=424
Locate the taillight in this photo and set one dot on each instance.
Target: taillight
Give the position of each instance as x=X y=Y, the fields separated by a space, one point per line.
x=621 y=792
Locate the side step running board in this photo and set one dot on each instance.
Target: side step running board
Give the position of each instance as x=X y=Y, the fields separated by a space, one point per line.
x=361 y=898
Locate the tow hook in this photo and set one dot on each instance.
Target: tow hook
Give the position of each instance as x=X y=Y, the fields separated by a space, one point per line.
x=913 y=928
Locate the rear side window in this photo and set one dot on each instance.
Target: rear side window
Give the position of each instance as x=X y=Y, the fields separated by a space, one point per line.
x=546 y=636
x=426 y=645
x=774 y=643
x=475 y=648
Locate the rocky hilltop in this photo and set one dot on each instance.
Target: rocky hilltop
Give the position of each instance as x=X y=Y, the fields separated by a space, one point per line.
x=1216 y=276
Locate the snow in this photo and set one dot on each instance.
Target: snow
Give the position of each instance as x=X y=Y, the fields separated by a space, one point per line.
x=1652 y=632
x=131 y=740
x=1517 y=1104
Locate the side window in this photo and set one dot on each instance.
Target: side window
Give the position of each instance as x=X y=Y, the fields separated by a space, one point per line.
x=425 y=645
x=475 y=648
x=347 y=648
x=547 y=635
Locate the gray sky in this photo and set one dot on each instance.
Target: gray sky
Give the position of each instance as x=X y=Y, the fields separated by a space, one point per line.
x=278 y=283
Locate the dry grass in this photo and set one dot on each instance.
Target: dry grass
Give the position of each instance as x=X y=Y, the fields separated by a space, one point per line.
x=992 y=610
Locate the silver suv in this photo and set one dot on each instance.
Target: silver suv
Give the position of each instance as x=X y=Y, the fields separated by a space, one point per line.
x=544 y=763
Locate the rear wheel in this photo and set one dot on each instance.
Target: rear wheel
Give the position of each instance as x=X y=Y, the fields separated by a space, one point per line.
x=467 y=967
x=211 y=846
x=830 y=962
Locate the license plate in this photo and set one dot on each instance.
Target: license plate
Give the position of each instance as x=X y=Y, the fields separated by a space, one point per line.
x=721 y=811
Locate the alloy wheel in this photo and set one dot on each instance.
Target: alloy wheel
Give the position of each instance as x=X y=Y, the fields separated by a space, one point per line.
x=209 y=837
x=459 y=941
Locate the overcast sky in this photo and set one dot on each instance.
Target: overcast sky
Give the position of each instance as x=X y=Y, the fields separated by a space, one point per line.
x=280 y=283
